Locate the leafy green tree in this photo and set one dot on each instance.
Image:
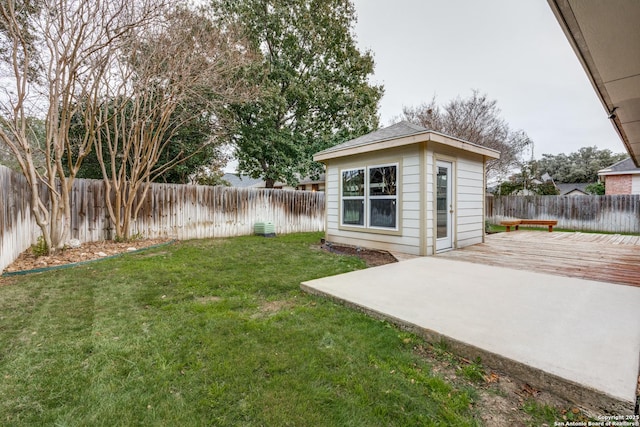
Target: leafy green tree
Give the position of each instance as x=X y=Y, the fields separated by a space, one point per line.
x=546 y=189
x=192 y=146
x=507 y=188
x=597 y=188
x=313 y=82
x=527 y=179
x=580 y=166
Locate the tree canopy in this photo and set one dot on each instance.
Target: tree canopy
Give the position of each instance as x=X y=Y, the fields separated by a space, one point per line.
x=580 y=166
x=188 y=148
x=132 y=80
x=475 y=119
x=312 y=79
x=54 y=53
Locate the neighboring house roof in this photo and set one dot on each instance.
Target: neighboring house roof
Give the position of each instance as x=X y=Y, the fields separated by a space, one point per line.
x=309 y=180
x=242 y=181
x=397 y=135
x=623 y=167
x=604 y=35
x=579 y=187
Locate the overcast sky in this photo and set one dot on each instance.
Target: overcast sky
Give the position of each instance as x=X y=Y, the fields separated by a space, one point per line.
x=514 y=51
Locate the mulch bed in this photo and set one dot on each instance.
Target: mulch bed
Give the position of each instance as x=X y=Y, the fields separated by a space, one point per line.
x=370 y=256
x=86 y=252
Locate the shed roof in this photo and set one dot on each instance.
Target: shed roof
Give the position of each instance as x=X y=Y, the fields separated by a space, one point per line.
x=396 y=135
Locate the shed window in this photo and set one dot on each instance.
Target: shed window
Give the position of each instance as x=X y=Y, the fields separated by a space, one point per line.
x=353 y=197
x=378 y=198
x=382 y=196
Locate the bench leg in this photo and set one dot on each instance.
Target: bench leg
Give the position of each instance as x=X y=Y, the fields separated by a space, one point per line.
x=550 y=228
x=517 y=227
x=508 y=228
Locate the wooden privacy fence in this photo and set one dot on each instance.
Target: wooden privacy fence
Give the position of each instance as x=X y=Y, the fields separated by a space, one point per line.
x=18 y=229
x=168 y=210
x=617 y=214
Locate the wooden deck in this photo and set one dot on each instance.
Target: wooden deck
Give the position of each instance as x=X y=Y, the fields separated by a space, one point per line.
x=609 y=258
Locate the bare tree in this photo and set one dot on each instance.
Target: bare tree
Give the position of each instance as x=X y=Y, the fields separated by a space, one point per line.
x=475 y=119
x=53 y=54
x=178 y=62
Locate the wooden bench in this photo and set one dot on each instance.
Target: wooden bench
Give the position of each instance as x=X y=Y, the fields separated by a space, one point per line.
x=518 y=222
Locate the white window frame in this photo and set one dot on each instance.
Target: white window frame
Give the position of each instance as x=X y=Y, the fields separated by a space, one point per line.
x=370 y=197
x=363 y=198
x=367 y=197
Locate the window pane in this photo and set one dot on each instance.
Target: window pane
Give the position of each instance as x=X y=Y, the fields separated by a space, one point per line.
x=353 y=212
x=382 y=181
x=383 y=213
x=353 y=183
x=442 y=202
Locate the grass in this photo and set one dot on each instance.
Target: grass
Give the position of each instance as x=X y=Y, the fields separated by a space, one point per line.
x=210 y=332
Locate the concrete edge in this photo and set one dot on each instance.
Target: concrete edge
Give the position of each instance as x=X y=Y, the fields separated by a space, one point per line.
x=581 y=396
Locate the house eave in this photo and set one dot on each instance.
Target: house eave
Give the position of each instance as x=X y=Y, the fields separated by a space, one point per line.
x=603 y=36
x=611 y=173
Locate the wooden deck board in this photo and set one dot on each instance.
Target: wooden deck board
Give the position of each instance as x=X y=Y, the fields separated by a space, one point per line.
x=602 y=257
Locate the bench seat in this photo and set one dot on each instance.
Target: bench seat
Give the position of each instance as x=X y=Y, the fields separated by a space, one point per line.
x=518 y=222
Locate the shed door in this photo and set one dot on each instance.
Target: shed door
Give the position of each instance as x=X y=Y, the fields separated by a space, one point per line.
x=444 y=206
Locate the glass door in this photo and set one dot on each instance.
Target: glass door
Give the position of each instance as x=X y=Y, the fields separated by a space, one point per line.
x=444 y=206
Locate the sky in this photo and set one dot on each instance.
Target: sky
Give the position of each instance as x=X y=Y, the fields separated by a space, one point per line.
x=513 y=51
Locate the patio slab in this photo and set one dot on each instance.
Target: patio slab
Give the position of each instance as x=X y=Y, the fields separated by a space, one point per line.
x=577 y=338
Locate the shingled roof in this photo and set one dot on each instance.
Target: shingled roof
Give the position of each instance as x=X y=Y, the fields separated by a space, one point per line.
x=622 y=167
x=397 y=132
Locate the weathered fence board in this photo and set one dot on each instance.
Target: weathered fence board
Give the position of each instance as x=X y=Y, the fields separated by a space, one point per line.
x=17 y=225
x=168 y=210
x=617 y=213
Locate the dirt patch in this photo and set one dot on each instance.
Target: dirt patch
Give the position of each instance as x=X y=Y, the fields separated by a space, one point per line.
x=501 y=398
x=371 y=257
x=208 y=299
x=86 y=252
x=270 y=308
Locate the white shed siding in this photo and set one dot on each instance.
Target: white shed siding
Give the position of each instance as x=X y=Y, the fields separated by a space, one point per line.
x=411 y=226
x=408 y=238
x=411 y=207
x=428 y=204
x=332 y=198
x=470 y=197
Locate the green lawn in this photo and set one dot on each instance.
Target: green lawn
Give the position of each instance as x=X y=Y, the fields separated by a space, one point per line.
x=210 y=332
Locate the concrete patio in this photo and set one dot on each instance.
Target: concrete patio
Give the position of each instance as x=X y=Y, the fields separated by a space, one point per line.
x=577 y=338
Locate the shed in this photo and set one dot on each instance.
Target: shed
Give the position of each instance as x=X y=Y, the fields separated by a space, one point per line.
x=406 y=189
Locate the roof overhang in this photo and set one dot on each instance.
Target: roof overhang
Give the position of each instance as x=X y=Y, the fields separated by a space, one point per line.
x=420 y=137
x=605 y=36
x=605 y=172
